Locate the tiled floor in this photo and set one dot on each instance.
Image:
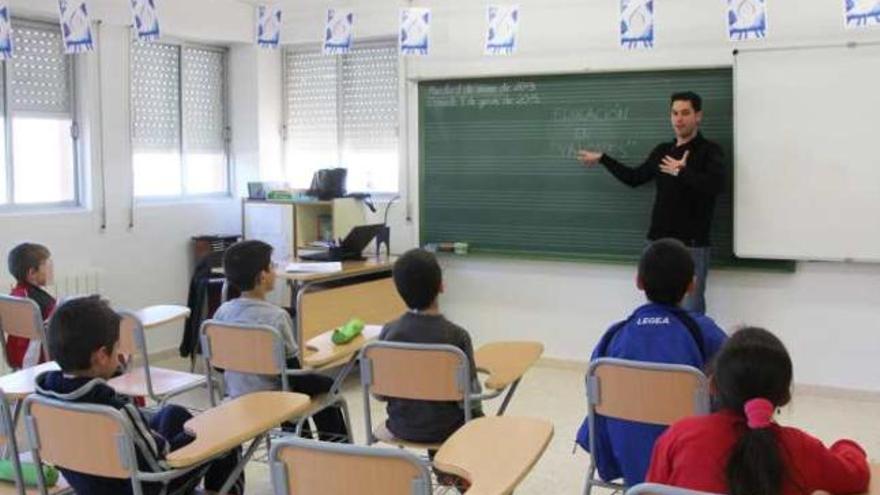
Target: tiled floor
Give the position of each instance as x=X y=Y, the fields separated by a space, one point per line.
x=557 y=394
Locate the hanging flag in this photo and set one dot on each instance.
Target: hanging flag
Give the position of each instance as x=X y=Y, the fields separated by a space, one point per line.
x=76 y=28
x=746 y=19
x=861 y=13
x=146 y=19
x=338 y=33
x=636 y=24
x=268 y=26
x=5 y=33
x=415 y=27
x=502 y=26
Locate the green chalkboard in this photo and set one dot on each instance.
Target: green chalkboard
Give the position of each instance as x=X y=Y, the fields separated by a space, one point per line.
x=498 y=166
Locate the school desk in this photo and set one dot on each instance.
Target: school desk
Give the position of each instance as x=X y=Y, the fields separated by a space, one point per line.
x=516 y=445
x=506 y=362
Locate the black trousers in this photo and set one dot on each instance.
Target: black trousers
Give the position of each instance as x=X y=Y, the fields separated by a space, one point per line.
x=330 y=422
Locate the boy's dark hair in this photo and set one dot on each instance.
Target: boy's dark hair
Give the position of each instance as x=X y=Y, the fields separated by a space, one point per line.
x=666 y=269
x=417 y=277
x=244 y=261
x=80 y=327
x=26 y=256
x=695 y=99
x=752 y=364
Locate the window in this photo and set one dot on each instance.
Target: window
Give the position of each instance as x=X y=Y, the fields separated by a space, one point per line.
x=37 y=117
x=342 y=111
x=179 y=127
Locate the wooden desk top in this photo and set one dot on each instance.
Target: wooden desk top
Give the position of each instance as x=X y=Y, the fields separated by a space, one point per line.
x=506 y=362
x=349 y=269
x=517 y=444
x=21 y=383
x=321 y=351
x=230 y=424
x=153 y=316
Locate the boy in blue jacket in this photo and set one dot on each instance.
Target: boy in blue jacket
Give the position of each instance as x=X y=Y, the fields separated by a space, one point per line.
x=83 y=338
x=660 y=332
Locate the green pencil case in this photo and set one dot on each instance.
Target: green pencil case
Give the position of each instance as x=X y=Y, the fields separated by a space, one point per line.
x=346 y=333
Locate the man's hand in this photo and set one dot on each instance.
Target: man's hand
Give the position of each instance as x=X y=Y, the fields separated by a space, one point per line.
x=672 y=166
x=589 y=158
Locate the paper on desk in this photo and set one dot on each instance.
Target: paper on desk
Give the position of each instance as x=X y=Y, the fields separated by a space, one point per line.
x=315 y=267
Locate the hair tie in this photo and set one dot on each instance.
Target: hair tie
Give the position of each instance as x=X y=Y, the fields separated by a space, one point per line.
x=759 y=413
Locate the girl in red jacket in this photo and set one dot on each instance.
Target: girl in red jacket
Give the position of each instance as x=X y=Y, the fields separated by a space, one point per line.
x=740 y=450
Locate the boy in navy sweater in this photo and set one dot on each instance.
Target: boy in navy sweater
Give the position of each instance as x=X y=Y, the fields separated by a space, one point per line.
x=83 y=338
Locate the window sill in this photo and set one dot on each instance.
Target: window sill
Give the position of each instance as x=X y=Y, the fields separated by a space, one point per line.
x=160 y=201
x=42 y=209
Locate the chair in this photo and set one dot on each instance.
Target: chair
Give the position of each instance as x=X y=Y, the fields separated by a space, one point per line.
x=20 y=317
x=160 y=384
x=387 y=370
x=658 y=489
x=302 y=467
x=644 y=392
x=90 y=439
x=257 y=349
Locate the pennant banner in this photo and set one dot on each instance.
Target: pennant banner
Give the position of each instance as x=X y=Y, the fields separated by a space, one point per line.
x=145 y=19
x=76 y=28
x=5 y=33
x=503 y=24
x=269 y=26
x=636 y=24
x=415 y=27
x=746 y=19
x=862 y=13
x=338 y=33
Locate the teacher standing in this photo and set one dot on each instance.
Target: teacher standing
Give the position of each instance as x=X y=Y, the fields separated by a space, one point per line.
x=689 y=174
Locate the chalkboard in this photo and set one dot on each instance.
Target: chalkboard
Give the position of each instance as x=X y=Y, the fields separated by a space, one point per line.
x=499 y=170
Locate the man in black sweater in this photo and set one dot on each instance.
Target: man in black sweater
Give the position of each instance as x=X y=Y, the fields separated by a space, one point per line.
x=689 y=175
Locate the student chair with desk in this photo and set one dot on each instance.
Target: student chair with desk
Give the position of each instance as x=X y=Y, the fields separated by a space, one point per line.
x=160 y=384
x=301 y=467
x=655 y=393
x=20 y=317
x=257 y=349
x=387 y=371
x=90 y=439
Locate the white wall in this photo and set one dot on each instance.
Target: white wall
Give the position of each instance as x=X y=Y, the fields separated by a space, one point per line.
x=826 y=312
x=149 y=263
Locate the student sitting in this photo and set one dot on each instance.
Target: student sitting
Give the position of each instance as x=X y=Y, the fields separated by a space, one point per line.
x=31 y=265
x=248 y=266
x=419 y=281
x=740 y=450
x=83 y=338
x=660 y=332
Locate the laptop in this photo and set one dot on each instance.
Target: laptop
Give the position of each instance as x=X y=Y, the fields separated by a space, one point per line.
x=352 y=246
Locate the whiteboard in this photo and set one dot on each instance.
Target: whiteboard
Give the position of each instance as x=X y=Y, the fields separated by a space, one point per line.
x=807 y=153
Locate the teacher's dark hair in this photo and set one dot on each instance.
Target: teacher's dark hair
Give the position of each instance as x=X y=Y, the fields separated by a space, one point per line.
x=690 y=96
x=665 y=271
x=752 y=364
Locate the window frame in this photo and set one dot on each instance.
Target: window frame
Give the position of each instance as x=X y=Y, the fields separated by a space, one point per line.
x=10 y=206
x=185 y=197
x=340 y=124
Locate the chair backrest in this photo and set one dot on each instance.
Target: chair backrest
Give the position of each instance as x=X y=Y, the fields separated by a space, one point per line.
x=302 y=467
x=658 y=489
x=388 y=370
x=130 y=331
x=257 y=349
x=319 y=309
x=86 y=438
x=21 y=317
x=655 y=393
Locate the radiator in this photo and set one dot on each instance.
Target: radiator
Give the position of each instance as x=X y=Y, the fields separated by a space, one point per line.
x=66 y=284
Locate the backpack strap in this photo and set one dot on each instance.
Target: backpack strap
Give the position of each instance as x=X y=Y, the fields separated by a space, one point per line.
x=693 y=328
